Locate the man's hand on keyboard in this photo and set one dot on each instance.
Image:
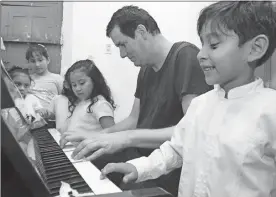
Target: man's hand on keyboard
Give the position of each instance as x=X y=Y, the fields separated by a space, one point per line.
x=98 y=145
x=127 y=169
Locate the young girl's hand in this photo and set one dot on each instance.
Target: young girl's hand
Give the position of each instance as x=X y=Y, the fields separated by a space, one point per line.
x=44 y=113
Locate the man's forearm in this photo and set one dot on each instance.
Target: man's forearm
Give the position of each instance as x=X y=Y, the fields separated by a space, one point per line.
x=148 y=138
x=127 y=124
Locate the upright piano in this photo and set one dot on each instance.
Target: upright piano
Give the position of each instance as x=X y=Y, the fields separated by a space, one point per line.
x=34 y=165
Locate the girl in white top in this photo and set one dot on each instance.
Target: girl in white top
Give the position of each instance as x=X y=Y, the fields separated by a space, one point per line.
x=28 y=104
x=47 y=84
x=86 y=104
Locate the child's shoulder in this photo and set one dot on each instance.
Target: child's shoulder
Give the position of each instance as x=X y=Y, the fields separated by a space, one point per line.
x=206 y=95
x=267 y=95
x=31 y=97
x=55 y=76
x=48 y=76
x=61 y=98
x=101 y=98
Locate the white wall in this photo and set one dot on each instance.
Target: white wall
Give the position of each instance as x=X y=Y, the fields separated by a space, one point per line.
x=66 y=36
x=176 y=20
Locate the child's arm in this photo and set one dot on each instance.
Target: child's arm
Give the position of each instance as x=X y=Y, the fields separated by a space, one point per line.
x=47 y=113
x=107 y=121
x=161 y=161
x=104 y=113
x=165 y=159
x=59 y=84
x=127 y=169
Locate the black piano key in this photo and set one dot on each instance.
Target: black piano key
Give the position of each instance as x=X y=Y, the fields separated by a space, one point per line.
x=63 y=177
x=54 y=192
x=53 y=161
x=81 y=187
x=59 y=176
x=56 y=152
x=58 y=167
x=61 y=169
x=55 y=165
x=76 y=182
x=50 y=148
x=54 y=172
x=83 y=190
x=58 y=155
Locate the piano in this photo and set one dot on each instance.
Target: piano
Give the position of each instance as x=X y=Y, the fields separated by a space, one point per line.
x=34 y=165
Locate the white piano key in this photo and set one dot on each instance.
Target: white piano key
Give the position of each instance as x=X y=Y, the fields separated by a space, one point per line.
x=91 y=175
x=89 y=172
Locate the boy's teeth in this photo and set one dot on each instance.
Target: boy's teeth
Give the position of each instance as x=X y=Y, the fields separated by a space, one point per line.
x=208 y=68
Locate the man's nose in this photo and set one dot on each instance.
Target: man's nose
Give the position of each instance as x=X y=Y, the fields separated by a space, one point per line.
x=123 y=53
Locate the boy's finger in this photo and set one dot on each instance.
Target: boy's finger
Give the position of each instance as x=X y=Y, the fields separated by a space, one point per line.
x=129 y=177
x=114 y=167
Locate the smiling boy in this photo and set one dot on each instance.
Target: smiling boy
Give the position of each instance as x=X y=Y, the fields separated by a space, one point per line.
x=226 y=143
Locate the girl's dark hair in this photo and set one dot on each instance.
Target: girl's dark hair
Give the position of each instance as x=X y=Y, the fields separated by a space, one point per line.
x=100 y=86
x=36 y=48
x=16 y=69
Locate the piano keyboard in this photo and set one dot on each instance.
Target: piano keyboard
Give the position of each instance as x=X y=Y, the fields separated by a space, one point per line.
x=89 y=172
x=56 y=165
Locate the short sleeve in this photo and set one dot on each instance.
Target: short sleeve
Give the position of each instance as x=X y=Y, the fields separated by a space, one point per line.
x=102 y=108
x=52 y=105
x=60 y=80
x=139 y=83
x=34 y=101
x=189 y=76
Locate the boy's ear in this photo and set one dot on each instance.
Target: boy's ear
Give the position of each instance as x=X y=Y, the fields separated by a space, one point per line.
x=48 y=61
x=259 y=46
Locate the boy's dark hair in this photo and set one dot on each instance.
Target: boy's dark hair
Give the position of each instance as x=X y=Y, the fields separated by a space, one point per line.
x=16 y=69
x=36 y=48
x=128 y=18
x=100 y=86
x=247 y=19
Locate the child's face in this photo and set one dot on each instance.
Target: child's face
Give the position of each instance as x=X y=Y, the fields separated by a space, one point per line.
x=223 y=61
x=23 y=83
x=39 y=63
x=82 y=85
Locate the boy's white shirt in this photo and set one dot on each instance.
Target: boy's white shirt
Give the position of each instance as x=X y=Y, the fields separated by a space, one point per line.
x=226 y=147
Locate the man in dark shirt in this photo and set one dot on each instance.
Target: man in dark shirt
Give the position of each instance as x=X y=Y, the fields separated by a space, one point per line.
x=169 y=78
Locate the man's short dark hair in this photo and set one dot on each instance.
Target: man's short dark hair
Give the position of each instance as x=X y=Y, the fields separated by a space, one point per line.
x=128 y=18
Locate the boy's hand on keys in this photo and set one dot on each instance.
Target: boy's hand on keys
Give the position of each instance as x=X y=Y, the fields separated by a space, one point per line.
x=129 y=171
